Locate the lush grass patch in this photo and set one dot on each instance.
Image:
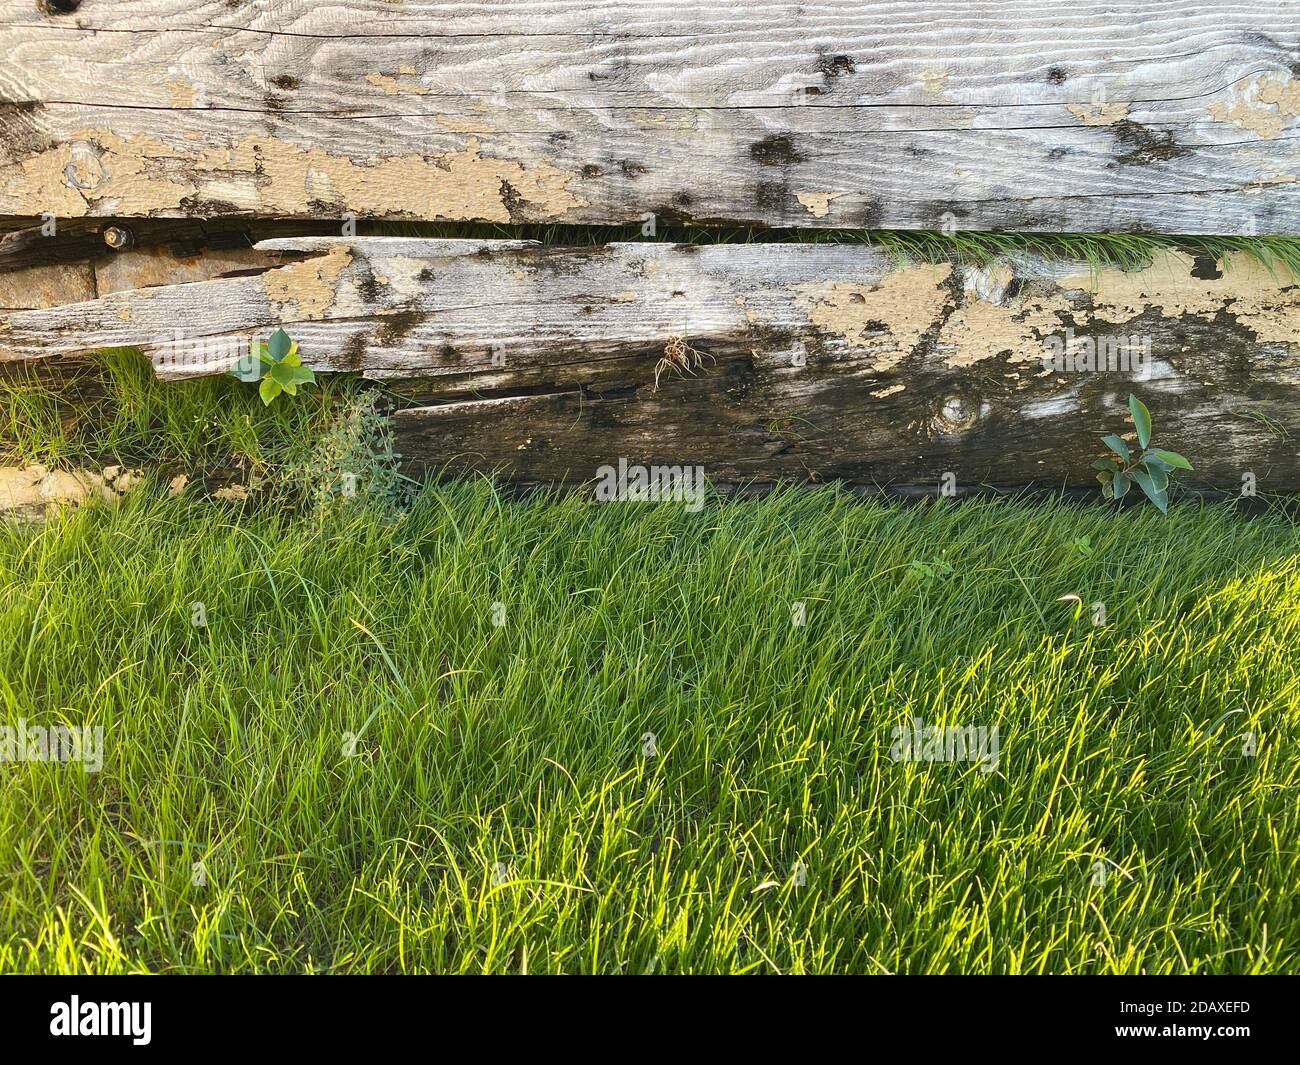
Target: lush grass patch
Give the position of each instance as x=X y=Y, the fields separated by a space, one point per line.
x=112 y=408
x=498 y=811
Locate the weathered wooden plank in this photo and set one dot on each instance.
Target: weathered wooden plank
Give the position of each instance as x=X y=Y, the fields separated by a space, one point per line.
x=46 y=286
x=147 y=267
x=1007 y=114
x=815 y=361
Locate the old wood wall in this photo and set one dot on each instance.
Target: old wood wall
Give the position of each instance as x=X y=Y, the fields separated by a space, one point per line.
x=253 y=120
x=815 y=361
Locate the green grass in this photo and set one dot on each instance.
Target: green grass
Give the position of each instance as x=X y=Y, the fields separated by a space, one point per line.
x=112 y=408
x=499 y=814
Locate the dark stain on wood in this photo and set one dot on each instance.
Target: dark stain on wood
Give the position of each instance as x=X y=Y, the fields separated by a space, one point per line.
x=769 y=196
x=835 y=66
x=512 y=201
x=775 y=150
x=1145 y=145
x=1206 y=267
x=355 y=348
x=20 y=134
x=368 y=286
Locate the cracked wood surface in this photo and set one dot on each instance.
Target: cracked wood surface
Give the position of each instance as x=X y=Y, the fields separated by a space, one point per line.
x=816 y=361
x=1161 y=115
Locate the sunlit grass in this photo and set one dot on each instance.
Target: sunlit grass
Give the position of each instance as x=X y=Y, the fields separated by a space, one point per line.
x=499 y=812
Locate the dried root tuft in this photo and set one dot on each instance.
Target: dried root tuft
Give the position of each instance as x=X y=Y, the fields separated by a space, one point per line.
x=680 y=357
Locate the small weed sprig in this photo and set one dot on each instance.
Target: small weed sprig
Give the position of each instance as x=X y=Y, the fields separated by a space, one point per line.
x=1149 y=468
x=278 y=367
x=931 y=570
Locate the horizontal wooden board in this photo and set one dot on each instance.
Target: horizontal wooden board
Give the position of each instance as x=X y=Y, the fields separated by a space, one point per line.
x=1159 y=115
x=808 y=361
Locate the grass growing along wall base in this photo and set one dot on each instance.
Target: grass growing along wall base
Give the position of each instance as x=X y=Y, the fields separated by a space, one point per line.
x=648 y=766
x=110 y=407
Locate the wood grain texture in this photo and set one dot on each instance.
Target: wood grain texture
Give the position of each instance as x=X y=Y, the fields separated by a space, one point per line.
x=46 y=286
x=816 y=361
x=1162 y=115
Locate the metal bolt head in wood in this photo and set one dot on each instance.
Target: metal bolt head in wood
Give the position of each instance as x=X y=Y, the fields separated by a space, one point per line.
x=119 y=238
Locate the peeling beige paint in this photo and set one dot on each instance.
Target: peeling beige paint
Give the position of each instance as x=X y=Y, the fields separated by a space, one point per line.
x=393 y=87
x=20 y=490
x=180 y=93
x=1247 y=116
x=140 y=175
x=1266 y=304
x=904 y=303
x=818 y=203
x=310 y=286
x=1263 y=106
x=44 y=182
x=1100 y=114
x=1281 y=91
x=881 y=393
x=984 y=328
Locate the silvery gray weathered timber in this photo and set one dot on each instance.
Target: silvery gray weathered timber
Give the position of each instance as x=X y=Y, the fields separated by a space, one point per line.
x=1158 y=115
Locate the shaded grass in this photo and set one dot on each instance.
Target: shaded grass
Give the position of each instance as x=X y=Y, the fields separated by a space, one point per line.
x=498 y=812
x=112 y=408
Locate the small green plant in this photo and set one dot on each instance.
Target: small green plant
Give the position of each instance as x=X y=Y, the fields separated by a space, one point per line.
x=350 y=458
x=931 y=570
x=1149 y=468
x=279 y=367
